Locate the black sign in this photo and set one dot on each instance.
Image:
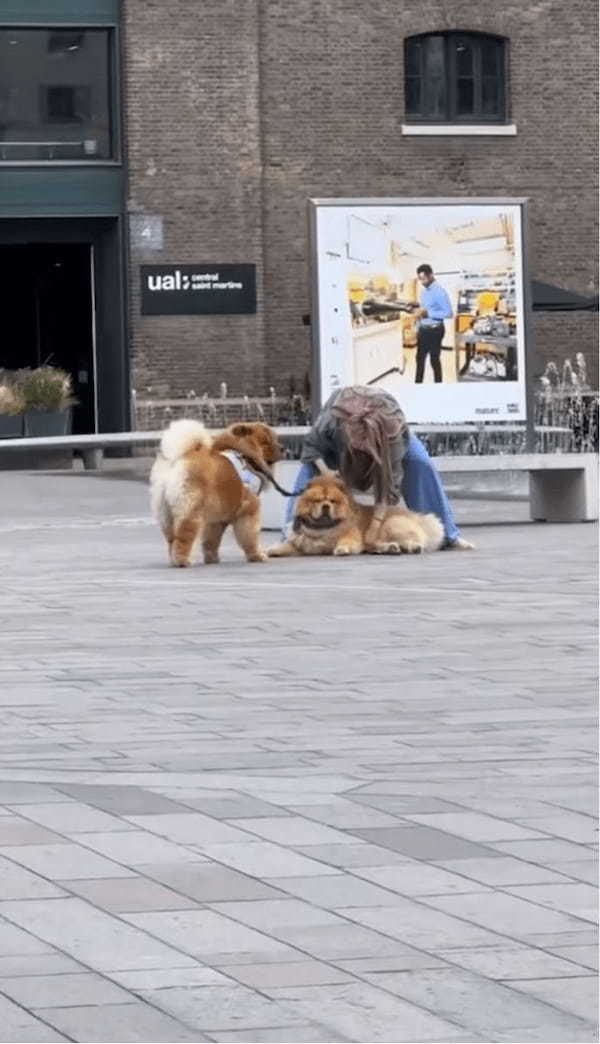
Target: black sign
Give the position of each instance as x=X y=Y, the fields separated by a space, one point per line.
x=204 y=289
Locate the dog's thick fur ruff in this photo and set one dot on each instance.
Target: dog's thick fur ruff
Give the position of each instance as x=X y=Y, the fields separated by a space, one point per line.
x=196 y=491
x=329 y=522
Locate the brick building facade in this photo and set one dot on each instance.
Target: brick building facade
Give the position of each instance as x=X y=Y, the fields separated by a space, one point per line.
x=238 y=111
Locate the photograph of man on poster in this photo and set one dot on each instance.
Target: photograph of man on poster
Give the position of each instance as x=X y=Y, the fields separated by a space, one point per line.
x=434 y=308
x=424 y=300
x=446 y=290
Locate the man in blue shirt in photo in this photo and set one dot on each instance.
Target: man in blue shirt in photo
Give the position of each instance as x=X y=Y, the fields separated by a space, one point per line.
x=435 y=307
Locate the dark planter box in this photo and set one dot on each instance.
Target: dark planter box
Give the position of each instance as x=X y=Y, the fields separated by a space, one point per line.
x=11 y=427
x=40 y=424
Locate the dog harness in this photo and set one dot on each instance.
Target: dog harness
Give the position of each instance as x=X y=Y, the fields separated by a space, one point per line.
x=249 y=479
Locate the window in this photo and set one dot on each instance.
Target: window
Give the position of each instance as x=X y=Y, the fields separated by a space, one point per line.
x=66 y=104
x=55 y=95
x=455 y=78
x=60 y=42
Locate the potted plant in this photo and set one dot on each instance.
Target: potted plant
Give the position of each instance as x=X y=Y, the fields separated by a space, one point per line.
x=12 y=406
x=48 y=396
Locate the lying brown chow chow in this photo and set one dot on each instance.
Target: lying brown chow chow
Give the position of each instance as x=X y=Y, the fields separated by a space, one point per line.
x=197 y=488
x=329 y=522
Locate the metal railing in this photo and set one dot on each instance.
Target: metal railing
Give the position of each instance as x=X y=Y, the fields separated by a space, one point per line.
x=565 y=422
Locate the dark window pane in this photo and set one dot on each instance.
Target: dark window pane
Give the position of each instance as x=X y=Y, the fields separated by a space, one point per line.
x=413 y=57
x=58 y=42
x=434 y=99
x=435 y=56
x=66 y=104
x=490 y=53
x=60 y=103
x=54 y=94
x=464 y=57
x=490 y=96
x=434 y=78
x=412 y=96
x=465 y=97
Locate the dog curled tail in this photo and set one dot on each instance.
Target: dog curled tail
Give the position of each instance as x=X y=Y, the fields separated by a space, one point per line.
x=434 y=532
x=183 y=436
x=167 y=478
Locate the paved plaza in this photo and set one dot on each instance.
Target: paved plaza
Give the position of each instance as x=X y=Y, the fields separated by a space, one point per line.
x=311 y=800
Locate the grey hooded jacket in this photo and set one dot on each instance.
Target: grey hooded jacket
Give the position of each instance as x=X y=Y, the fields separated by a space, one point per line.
x=326 y=439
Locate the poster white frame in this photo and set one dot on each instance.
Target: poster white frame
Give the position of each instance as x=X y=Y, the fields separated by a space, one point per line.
x=331 y=327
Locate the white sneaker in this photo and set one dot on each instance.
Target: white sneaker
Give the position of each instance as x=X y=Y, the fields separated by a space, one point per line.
x=460 y=544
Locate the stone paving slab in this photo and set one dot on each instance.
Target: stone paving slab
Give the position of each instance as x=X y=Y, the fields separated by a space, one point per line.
x=313 y=800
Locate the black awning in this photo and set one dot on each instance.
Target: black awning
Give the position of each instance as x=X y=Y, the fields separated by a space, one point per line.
x=548 y=298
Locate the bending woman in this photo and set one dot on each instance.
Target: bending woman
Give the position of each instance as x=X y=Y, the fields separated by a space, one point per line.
x=362 y=433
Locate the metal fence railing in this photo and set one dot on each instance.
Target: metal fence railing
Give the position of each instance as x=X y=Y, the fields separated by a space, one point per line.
x=566 y=421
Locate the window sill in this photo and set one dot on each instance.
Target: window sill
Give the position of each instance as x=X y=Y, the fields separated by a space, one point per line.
x=496 y=130
x=61 y=163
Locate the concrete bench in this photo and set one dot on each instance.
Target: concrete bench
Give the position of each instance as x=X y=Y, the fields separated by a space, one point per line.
x=91 y=447
x=563 y=486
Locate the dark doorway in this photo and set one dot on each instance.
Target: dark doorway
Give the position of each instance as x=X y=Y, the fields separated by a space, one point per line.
x=86 y=248
x=48 y=316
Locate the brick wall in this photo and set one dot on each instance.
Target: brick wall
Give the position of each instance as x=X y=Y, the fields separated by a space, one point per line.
x=193 y=138
x=238 y=111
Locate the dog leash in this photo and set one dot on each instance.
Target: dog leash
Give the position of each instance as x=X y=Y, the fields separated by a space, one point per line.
x=284 y=492
x=253 y=465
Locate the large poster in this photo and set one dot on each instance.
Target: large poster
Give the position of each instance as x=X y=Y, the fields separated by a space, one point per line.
x=424 y=299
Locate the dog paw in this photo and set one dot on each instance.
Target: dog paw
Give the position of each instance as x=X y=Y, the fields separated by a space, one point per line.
x=389 y=548
x=211 y=559
x=260 y=556
x=411 y=548
x=344 y=549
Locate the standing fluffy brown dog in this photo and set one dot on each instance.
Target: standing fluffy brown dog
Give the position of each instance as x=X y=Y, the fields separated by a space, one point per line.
x=197 y=491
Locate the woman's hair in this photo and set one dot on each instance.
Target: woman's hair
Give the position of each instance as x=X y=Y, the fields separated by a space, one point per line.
x=370 y=422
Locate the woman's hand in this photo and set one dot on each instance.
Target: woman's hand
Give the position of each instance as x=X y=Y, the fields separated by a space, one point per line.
x=372 y=534
x=324 y=470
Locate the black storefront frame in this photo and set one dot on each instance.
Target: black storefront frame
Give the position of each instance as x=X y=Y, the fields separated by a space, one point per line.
x=106 y=236
x=99 y=215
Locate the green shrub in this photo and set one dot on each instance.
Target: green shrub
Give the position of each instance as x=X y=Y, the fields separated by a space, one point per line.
x=46 y=388
x=12 y=401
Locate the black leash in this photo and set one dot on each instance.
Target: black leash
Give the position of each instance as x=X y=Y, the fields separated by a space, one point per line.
x=265 y=473
x=280 y=489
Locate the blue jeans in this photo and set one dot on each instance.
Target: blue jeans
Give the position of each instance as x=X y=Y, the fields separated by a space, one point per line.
x=422 y=488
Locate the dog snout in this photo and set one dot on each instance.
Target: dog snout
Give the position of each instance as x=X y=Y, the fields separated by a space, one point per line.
x=326 y=510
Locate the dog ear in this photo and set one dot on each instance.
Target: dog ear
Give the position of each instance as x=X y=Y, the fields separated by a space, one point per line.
x=241 y=430
x=274 y=451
